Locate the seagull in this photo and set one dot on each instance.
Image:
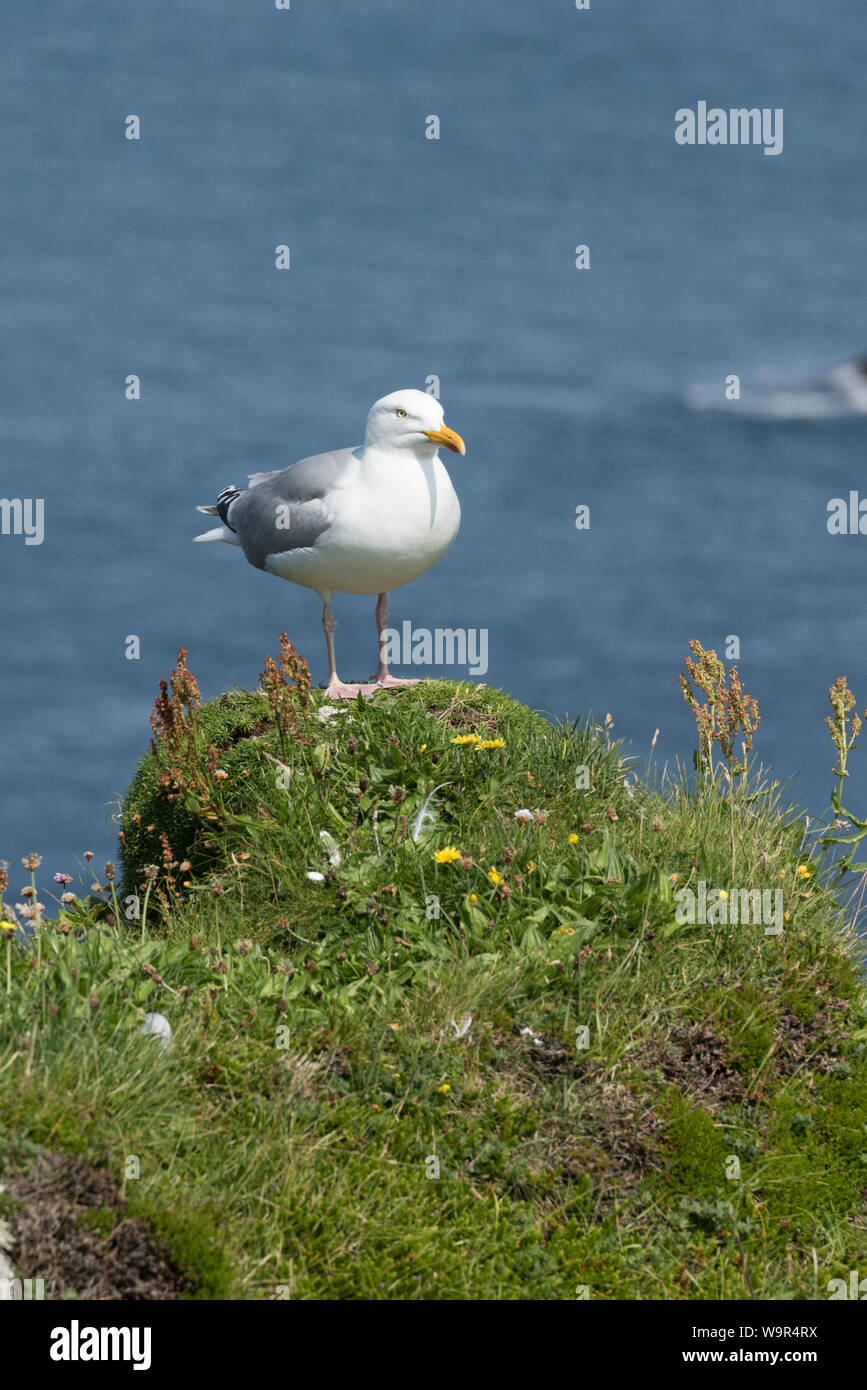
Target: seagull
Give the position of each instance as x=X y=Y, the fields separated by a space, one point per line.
x=360 y=521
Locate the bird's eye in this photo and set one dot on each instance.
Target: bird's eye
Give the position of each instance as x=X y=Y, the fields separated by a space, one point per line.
x=401 y=414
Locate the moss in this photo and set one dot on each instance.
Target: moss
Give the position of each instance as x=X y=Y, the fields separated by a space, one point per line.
x=194 y=1239
x=693 y=1150
x=100 y=1219
x=816 y=973
x=744 y=1016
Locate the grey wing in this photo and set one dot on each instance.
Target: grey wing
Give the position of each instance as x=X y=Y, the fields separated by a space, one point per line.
x=291 y=509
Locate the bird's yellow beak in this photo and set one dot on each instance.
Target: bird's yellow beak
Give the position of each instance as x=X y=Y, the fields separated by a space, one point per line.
x=450 y=438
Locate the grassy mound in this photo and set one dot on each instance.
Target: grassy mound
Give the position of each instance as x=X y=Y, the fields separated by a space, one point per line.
x=439 y=1030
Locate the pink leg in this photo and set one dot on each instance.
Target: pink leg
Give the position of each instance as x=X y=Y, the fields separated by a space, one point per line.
x=382 y=677
x=336 y=688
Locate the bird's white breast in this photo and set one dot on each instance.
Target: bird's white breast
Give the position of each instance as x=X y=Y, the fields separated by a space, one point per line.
x=393 y=520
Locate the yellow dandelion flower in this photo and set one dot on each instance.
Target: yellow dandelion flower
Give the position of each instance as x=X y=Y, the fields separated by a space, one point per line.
x=444 y=1088
x=423 y=747
x=493 y=876
x=8 y=928
x=787 y=916
x=573 y=839
x=803 y=871
x=466 y=738
x=531 y=866
x=474 y=897
x=565 y=931
x=447 y=855
x=490 y=743
x=723 y=895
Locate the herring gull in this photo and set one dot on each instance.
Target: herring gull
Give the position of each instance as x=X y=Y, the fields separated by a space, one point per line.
x=360 y=521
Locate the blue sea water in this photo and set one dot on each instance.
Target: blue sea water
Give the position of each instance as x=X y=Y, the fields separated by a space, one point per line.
x=413 y=257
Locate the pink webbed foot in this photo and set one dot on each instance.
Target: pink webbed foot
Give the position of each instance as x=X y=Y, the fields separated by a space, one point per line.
x=387 y=682
x=337 y=690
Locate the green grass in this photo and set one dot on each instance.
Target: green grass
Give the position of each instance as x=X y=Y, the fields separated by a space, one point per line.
x=327 y=1124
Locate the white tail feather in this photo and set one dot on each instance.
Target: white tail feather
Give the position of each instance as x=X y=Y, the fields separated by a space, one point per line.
x=219 y=533
x=209 y=511
x=255 y=479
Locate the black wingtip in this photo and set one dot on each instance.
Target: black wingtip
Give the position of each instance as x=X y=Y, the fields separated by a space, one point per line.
x=224 y=502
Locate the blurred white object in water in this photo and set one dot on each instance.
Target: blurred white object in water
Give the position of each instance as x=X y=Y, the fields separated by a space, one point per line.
x=850 y=380
x=837 y=394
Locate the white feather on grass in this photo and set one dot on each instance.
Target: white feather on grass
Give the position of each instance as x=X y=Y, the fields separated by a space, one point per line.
x=329 y=844
x=426 y=817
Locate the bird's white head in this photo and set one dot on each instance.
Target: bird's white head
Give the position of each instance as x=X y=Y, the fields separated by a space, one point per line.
x=410 y=420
